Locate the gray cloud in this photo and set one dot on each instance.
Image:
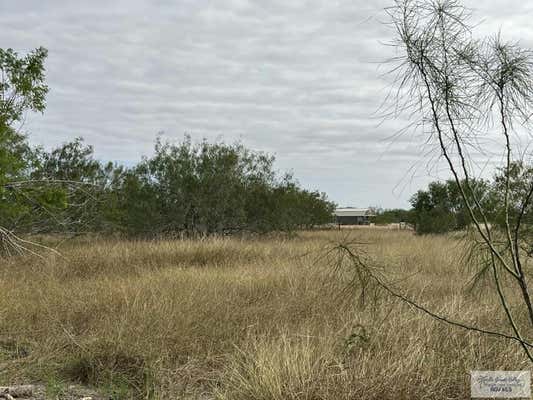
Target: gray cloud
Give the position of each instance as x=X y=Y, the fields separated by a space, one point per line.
x=301 y=79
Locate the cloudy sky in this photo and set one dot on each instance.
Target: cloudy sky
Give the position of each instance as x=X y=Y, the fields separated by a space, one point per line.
x=302 y=79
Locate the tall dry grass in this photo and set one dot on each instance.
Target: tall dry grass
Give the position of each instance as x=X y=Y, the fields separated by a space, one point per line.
x=247 y=319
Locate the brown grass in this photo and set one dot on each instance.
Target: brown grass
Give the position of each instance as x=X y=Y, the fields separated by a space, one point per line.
x=246 y=319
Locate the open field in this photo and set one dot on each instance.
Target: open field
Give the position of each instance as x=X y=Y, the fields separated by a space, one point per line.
x=246 y=319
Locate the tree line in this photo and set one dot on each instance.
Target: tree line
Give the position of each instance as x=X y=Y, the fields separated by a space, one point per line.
x=184 y=188
x=190 y=188
x=440 y=207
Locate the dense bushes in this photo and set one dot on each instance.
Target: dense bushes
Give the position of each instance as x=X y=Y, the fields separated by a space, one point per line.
x=438 y=209
x=184 y=188
x=213 y=188
x=441 y=208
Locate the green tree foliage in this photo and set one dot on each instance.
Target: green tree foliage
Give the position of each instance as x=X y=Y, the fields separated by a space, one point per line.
x=22 y=85
x=185 y=188
x=205 y=188
x=22 y=88
x=213 y=188
x=15 y=161
x=85 y=182
x=72 y=161
x=441 y=209
x=520 y=196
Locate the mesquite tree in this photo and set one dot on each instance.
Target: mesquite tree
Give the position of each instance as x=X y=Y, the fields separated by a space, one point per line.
x=467 y=92
x=24 y=196
x=22 y=88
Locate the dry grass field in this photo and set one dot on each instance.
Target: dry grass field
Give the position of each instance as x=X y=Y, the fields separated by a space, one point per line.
x=236 y=319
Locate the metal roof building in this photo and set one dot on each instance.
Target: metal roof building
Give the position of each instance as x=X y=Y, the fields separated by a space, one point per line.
x=353 y=216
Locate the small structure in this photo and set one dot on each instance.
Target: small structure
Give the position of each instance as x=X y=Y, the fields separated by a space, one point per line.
x=353 y=216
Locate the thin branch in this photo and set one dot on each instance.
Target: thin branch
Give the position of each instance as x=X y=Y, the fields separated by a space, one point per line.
x=356 y=259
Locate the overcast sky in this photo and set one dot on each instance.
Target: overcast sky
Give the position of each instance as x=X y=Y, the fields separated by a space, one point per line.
x=300 y=79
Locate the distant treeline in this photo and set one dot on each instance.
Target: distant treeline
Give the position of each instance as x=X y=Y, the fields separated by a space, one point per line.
x=440 y=208
x=185 y=188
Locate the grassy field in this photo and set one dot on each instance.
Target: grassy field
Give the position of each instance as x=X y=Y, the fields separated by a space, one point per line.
x=265 y=318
